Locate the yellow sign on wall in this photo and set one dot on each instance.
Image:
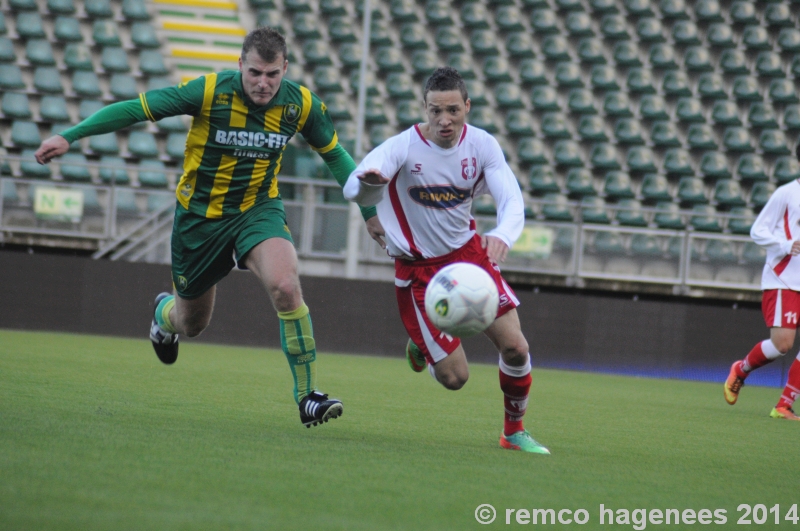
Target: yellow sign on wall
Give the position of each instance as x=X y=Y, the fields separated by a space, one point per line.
x=58 y=204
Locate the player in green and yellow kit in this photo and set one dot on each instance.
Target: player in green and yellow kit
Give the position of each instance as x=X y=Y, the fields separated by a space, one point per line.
x=228 y=209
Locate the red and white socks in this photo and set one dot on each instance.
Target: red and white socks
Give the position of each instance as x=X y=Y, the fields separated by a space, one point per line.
x=762 y=354
x=792 y=389
x=515 y=382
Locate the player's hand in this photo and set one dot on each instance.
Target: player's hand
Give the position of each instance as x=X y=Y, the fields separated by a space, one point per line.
x=375 y=230
x=53 y=147
x=373 y=177
x=795 y=248
x=496 y=249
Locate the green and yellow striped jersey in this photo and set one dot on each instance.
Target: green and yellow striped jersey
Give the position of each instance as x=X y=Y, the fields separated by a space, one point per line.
x=234 y=149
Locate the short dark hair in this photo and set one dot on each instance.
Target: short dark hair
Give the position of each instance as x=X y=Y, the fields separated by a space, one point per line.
x=268 y=43
x=443 y=79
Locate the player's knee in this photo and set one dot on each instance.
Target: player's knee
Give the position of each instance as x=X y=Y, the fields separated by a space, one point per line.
x=453 y=382
x=783 y=346
x=516 y=352
x=284 y=292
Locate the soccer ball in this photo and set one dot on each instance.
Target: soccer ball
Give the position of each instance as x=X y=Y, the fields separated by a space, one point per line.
x=461 y=300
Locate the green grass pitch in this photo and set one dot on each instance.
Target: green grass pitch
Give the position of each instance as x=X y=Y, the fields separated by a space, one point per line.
x=95 y=433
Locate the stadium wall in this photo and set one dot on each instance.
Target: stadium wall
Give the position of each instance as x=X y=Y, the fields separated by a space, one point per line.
x=678 y=338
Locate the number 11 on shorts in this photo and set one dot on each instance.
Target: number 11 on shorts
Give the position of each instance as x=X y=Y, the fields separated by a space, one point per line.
x=760 y=514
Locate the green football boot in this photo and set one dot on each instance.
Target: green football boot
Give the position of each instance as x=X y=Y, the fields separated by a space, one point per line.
x=523 y=441
x=415 y=357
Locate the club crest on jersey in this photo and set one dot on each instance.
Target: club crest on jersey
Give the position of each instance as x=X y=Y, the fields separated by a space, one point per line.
x=439 y=196
x=291 y=113
x=469 y=168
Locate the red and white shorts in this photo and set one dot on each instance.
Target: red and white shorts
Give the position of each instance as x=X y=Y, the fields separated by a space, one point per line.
x=781 y=308
x=411 y=279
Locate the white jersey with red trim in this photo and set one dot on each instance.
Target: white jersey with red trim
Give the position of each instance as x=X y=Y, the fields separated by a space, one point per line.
x=775 y=229
x=425 y=208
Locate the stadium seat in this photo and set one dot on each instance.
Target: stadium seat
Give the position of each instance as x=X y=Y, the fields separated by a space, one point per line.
x=714 y=165
x=134 y=10
x=617 y=104
x=603 y=7
x=448 y=39
x=15 y=106
x=85 y=84
x=105 y=33
x=545 y=98
x=720 y=251
x=326 y=79
x=579 y=24
x=778 y=15
x=768 y=64
x=151 y=63
x=754 y=254
x=306 y=26
x=341 y=30
x=423 y=62
x=519 y=123
x=756 y=38
x=142 y=144
x=639 y=8
x=628 y=132
x=760 y=194
x=355 y=76
x=317 y=53
x=711 y=86
x=743 y=13
x=655 y=188
x=630 y=213
x=684 y=33
x=298 y=6
x=544 y=22
x=88 y=107
x=725 y=113
x=689 y=111
x=123 y=87
x=125 y=203
x=581 y=102
x=591 y=51
x=78 y=57
x=556 y=48
x=580 y=183
x=115 y=59
x=626 y=54
x=678 y=162
x=113 y=171
x=650 y=30
x=794 y=69
x=32 y=169
x=54 y=109
x=67 y=29
x=25 y=134
x=403 y=11
x=567 y=5
x=568 y=75
x=567 y=153
x=412 y=36
x=474 y=16
x=645 y=245
x=662 y=58
x=105 y=144
x=708 y=11
x=98 y=9
x=519 y=45
x=39 y=53
x=604 y=157
x=737 y=140
x=463 y=63
x=176 y=146
x=668 y=216
x=728 y=193
x=375 y=113
x=7 y=53
x=704 y=219
x=438 y=13
x=664 y=134
x=733 y=61
x=604 y=78
x=676 y=84
x=617 y=185
x=593 y=210
x=60 y=7
x=271 y=18
x=592 y=128
x=400 y=86
x=701 y=136
x=773 y=142
x=477 y=92
x=151 y=174
x=556 y=208
x=46 y=80
x=751 y=167
x=614 y=27
x=30 y=26
x=789 y=40
x=743 y=220
x=387 y=58
x=720 y=35
x=697 y=59
x=542 y=181
x=496 y=69
x=73 y=168
x=484 y=43
x=532 y=151
x=653 y=107
x=640 y=159
x=786 y=169
x=484 y=117
x=762 y=116
x=554 y=126
x=782 y=91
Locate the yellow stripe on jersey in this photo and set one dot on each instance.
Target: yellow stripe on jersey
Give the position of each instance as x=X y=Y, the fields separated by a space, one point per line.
x=222 y=180
x=330 y=146
x=257 y=179
x=196 y=143
x=273 y=186
x=306 y=107
x=238 y=112
x=272 y=119
x=145 y=107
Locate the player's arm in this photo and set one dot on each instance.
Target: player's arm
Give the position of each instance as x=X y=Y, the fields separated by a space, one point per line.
x=767 y=230
x=504 y=188
x=367 y=184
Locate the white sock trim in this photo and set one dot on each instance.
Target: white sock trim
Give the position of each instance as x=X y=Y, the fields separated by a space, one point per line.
x=516 y=372
x=432 y=371
x=769 y=350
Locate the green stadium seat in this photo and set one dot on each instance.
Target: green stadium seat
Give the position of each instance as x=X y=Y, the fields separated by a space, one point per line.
x=542 y=181
x=580 y=183
x=556 y=208
x=106 y=144
x=728 y=193
x=30 y=26
x=355 y=76
x=614 y=27
x=714 y=165
x=689 y=111
x=645 y=245
x=711 y=86
x=568 y=5
x=318 y=53
x=375 y=113
x=412 y=36
x=617 y=104
x=751 y=168
x=604 y=78
x=650 y=30
x=67 y=29
x=60 y=7
x=403 y=11
x=778 y=15
x=532 y=72
x=387 y=58
x=485 y=118
x=762 y=116
x=159 y=82
x=684 y=33
x=708 y=11
x=640 y=159
x=532 y=151
x=725 y=113
x=88 y=107
x=423 y=62
x=25 y=134
x=697 y=59
x=496 y=69
x=73 y=168
x=676 y=84
x=743 y=220
x=554 y=126
x=743 y=13
x=626 y=54
x=653 y=107
x=3 y=28
x=47 y=80
x=579 y=24
x=704 y=219
x=745 y=88
x=617 y=185
x=604 y=157
x=39 y=53
x=568 y=75
x=668 y=216
x=545 y=98
x=98 y=9
x=593 y=210
x=133 y=10
x=176 y=146
x=484 y=43
x=15 y=106
x=733 y=61
x=438 y=13
x=142 y=144
x=326 y=79
x=400 y=86
x=592 y=128
x=151 y=174
x=789 y=40
x=338 y=108
x=123 y=87
x=691 y=190
x=662 y=57
x=721 y=251
x=655 y=188
x=760 y=194
x=628 y=132
x=556 y=48
x=768 y=64
x=378 y=134
x=678 y=162
x=567 y=153
x=115 y=59
x=477 y=92
x=508 y=96
x=581 y=102
x=448 y=39
x=32 y=169
x=85 y=84
x=474 y=16
x=639 y=8
x=782 y=91
x=151 y=63
x=125 y=202
x=701 y=136
x=519 y=123
x=591 y=51
x=720 y=35
x=794 y=69
x=54 y=109
x=774 y=142
x=756 y=38
x=340 y=29
x=78 y=57
x=753 y=253
x=298 y=6
x=786 y=169
x=306 y=26
x=603 y=7
x=7 y=53
x=630 y=213
x=271 y=18
x=519 y=45
x=105 y=33
x=143 y=35
x=664 y=134
x=544 y=22
x=463 y=63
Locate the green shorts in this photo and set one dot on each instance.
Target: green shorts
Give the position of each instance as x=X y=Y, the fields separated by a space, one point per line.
x=205 y=250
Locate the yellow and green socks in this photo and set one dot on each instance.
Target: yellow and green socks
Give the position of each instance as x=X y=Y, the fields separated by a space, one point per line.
x=297 y=342
x=162 y=314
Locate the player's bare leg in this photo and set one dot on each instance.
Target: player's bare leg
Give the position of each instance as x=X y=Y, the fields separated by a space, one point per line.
x=274 y=263
x=779 y=342
x=174 y=315
x=453 y=371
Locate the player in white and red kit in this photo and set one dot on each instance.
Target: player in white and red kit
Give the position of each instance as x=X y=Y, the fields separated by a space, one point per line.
x=777 y=229
x=423 y=182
